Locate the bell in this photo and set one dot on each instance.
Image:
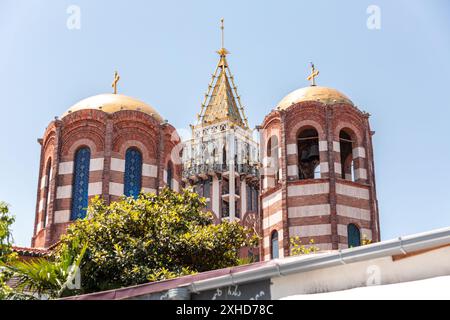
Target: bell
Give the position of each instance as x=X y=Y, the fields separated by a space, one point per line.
x=310 y=154
x=314 y=152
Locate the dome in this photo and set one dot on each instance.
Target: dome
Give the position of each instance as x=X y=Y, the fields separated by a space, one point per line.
x=111 y=103
x=313 y=93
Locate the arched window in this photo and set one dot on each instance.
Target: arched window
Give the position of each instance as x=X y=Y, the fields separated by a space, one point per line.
x=346 y=146
x=80 y=183
x=308 y=154
x=274 y=245
x=46 y=196
x=273 y=157
x=133 y=172
x=353 y=236
x=224 y=155
x=169 y=175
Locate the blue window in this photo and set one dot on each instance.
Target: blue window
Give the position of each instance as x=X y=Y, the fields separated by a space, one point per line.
x=80 y=183
x=133 y=172
x=275 y=248
x=170 y=175
x=353 y=236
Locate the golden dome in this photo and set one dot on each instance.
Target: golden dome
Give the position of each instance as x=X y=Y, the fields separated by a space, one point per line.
x=313 y=93
x=111 y=103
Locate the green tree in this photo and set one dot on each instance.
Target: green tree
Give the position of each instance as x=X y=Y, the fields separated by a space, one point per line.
x=45 y=277
x=153 y=237
x=6 y=253
x=36 y=278
x=297 y=248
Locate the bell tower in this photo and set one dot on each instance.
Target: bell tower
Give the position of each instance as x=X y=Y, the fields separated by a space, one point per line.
x=318 y=177
x=220 y=161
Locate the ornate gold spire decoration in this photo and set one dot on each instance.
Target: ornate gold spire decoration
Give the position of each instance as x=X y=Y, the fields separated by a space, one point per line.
x=221 y=101
x=313 y=75
x=116 y=79
x=222 y=51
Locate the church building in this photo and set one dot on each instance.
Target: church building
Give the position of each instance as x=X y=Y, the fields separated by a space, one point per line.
x=108 y=145
x=306 y=171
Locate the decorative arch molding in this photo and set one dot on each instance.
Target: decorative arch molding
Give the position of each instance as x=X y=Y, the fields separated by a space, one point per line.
x=300 y=126
x=146 y=144
x=356 y=133
x=78 y=144
x=122 y=148
x=72 y=138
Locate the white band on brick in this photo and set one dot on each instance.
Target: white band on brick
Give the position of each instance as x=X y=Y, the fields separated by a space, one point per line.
x=311 y=230
x=336 y=146
x=324 y=167
x=62 y=216
x=43 y=182
x=66 y=167
x=272 y=219
x=291 y=149
x=149 y=170
x=323 y=145
x=352 y=191
x=306 y=190
x=272 y=199
x=337 y=168
x=361 y=173
x=353 y=212
x=292 y=170
x=95 y=188
x=359 y=152
x=117 y=165
x=116 y=189
x=64 y=192
x=309 y=211
x=96 y=164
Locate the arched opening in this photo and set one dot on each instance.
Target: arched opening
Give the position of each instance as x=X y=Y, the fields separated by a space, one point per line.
x=80 y=183
x=170 y=175
x=273 y=158
x=133 y=172
x=347 y=163
x=224 y=155
x=46 y=196
x=353 y=236
x=274 y=251
x=308 y=154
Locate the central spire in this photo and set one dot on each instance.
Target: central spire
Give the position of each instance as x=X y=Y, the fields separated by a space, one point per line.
x=222 y=101
x=222 y=51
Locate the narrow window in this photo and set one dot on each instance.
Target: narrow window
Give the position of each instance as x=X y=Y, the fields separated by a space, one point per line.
x=170 y=175
x=46 y=198
x=80 y=183
x=353 y=236
x=133 y=172
x=274 y=241
x=273 y=159
x=346 y=146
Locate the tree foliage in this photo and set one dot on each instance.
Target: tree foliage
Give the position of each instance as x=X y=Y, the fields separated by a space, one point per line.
x=153 y=237
x=297 y=248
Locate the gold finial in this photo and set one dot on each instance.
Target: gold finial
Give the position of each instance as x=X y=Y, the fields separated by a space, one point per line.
x=222 y=51
x=116 y=79
x=313 y=75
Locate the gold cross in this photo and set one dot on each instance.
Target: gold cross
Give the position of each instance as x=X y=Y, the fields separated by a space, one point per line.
x=313 y=75
x=116 y=79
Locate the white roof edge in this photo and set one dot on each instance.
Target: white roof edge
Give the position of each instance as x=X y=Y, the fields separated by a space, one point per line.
x=280 y=267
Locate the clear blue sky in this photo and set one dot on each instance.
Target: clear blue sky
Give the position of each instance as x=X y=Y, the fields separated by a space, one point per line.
x=164 y=51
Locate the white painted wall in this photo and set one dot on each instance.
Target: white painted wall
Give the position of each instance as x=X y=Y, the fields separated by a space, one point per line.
x=360 y=274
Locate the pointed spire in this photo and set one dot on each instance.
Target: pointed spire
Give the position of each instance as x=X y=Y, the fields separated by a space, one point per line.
x=222 y=102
